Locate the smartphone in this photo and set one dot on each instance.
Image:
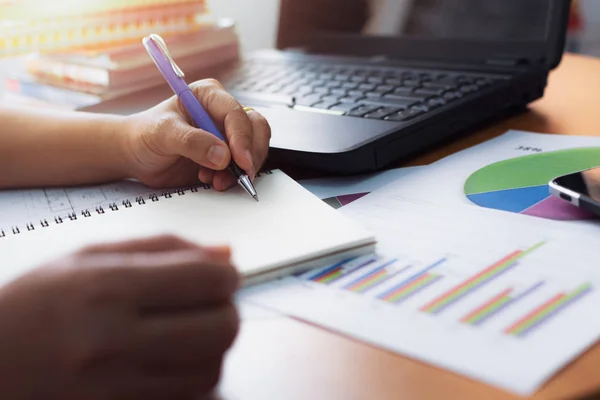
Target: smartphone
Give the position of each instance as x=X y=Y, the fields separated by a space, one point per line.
x=582 y=189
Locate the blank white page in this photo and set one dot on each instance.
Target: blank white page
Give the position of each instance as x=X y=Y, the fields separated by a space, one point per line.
x=287 y=226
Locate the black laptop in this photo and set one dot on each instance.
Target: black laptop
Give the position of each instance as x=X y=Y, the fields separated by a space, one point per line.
x=358 y=84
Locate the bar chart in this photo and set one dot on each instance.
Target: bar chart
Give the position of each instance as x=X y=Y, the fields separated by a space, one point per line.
x=394 y=281
x=388 y=279
x=476 y=282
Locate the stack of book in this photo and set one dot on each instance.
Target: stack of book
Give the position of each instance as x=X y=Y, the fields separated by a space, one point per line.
x=96 y=52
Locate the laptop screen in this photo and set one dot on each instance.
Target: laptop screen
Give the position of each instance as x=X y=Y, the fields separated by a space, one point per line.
x=475 y=20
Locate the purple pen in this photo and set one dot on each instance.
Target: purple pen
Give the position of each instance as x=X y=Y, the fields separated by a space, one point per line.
x=157 y=49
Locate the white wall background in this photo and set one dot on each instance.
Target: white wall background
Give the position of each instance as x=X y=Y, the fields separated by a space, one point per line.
x=256 y=20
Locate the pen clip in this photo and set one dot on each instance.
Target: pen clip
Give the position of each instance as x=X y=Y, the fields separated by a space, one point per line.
x=160 y=43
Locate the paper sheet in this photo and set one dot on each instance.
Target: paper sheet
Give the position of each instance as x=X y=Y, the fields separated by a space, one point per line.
x=493 y=296
x=521 y=183
x=340 y=191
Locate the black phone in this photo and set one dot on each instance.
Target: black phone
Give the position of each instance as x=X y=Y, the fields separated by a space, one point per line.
x=582 y=189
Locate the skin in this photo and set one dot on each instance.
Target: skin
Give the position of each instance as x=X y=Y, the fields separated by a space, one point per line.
x=143 y=319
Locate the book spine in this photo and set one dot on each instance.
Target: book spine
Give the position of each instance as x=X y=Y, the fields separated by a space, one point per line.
x=50 y=94
x=67 y=73
x=78 y=33
x=37 y=10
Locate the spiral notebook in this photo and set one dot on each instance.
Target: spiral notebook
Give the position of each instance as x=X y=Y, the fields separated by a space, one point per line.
x=288 y=231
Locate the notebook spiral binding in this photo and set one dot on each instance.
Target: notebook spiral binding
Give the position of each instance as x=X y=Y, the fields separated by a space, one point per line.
x=112 y=207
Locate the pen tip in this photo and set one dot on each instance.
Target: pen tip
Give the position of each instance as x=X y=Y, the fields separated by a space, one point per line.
x=255 y=198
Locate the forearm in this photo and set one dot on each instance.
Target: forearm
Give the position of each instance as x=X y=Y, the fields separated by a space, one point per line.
x=55 y=148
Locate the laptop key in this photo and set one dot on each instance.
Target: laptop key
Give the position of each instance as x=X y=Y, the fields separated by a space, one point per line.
x=357 y=93
x=351 y=99
x=373 y=95
x=410 y=83
x=345 y=107
x=465 y=89
x=333 y=84
x=404 y=92
x=452 y=95
x=393 y=81
x=350 y=85
x=367 y=86
x=325 y=104
x=321 y=89
x=376 y=80
x=331 y=98
x=405 y=96
x=427 y=91
x=404 y=115
x=437 y=86
x=381 y=113
x=383 y=89
x=362 y=110
x=398 y=100
x=435 y=102
x=309 y=100
x=339 y=92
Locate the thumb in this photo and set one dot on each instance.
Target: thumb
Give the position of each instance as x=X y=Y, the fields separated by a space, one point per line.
x=196 y=144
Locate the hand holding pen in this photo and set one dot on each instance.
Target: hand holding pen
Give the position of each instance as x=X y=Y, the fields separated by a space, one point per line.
x=222 y=158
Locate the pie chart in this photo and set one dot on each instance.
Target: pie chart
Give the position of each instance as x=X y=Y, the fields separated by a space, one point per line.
x=520 y=185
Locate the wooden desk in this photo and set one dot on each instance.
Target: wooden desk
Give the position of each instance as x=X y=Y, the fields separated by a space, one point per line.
x=281 y=358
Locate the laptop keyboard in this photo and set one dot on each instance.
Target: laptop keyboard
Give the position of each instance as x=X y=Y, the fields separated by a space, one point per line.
x=392 y=94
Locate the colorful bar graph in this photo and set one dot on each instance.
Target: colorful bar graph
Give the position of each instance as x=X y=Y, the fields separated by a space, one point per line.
x=373 y=278
x=487 y=275
x=487 y=308
x=407 y=291
x=412 y=284
x=337 y=271
x=495 y=305
x=546 y=311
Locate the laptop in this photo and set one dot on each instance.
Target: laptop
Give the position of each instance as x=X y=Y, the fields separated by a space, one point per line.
x=356 y=85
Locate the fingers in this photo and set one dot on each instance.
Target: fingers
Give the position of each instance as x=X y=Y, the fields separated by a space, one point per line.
x=158 y=244
x=179 y=138
x=159 y=273
x=261 y=134
x=206 y=175
x=152 y=245
x=221 y=106
x=184 y=279
x=185 y=342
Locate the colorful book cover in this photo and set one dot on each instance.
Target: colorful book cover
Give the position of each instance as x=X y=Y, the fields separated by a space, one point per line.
x=80 y=28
